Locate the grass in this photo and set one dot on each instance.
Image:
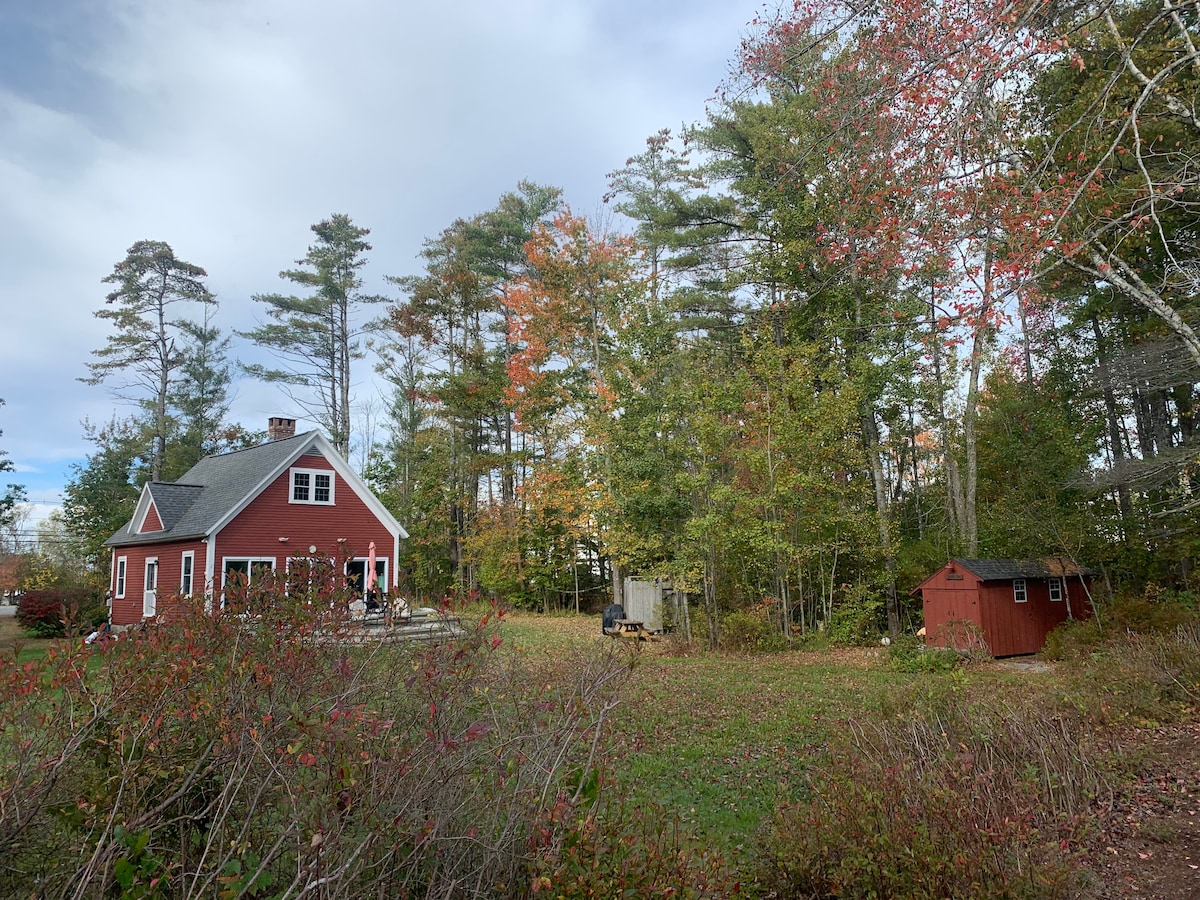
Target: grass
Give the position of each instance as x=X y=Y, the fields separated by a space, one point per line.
x=718 y=741
x=13 y=638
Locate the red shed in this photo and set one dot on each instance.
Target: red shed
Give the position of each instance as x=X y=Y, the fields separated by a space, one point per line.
x=1012 y=603
x=244 y=512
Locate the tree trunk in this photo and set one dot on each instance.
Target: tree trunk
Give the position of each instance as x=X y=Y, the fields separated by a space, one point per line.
x=1113 y=421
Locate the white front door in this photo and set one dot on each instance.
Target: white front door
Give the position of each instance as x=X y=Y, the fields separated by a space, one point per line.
x=150 y=590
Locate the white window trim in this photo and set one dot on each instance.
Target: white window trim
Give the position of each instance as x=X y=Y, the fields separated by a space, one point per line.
x=382 y=584
x=1020 y=591
x=152 y=608
x=312 y=487
x=1055 y=587
x=250 y=560
x=225 y=561
x=187 y=565
x=122 y=575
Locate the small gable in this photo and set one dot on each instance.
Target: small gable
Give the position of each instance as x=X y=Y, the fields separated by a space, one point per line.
x=151 y=522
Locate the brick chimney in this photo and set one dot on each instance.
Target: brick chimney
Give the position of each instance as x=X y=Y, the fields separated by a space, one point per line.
x=279 y=428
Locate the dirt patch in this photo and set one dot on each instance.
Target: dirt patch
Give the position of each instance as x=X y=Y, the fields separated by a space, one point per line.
x=1030 y=664
x=1149 y=845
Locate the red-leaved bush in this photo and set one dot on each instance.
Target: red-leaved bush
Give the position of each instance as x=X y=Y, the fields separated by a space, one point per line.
x=48 y=612
x=270 y=752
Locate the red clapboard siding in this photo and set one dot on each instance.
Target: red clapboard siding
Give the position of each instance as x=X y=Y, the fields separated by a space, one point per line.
x=127 y=610
x=954 y=594
x=257 y=529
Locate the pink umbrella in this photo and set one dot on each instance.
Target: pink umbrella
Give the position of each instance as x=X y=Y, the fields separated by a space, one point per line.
x=371 y=578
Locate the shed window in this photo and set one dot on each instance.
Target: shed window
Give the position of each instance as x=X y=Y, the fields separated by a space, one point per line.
x=312 y=486
x=1056 y=591
x=1019 y=593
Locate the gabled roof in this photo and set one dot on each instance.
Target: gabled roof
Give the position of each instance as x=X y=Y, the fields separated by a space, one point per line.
x=172 y=500
x=1008 y=569
x=218 y=487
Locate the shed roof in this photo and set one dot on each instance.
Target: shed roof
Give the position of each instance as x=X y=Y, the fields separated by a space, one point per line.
x=1008 y=569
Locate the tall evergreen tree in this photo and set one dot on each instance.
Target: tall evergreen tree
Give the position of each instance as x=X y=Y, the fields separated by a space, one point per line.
x=143 y=354
x=317 y=335
x=13 y=493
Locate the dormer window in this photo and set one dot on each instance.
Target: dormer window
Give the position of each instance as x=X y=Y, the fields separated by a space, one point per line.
x=312 y=486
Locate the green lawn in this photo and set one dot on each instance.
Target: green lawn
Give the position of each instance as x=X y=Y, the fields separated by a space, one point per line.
x=719 y=740
x=12 y=637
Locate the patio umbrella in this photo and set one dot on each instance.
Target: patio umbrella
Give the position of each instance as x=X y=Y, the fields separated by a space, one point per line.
x=371 y=579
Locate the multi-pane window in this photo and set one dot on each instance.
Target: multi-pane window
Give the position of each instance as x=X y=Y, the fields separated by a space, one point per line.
x=242 y=581
x=1019 y=593
x=1056 y=592
x=312 y=486
x=120 y=577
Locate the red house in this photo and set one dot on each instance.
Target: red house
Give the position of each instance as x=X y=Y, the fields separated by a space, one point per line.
x=1011 y=604
x=237 y=514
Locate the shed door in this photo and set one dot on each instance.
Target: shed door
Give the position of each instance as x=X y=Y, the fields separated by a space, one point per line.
x=150 y=589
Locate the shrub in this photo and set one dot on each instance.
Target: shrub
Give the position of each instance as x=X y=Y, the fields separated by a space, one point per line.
x=857 y=621
x=617 y=850
x=48 y=612
x=969 y=799
x=1143 y=679
x=751 y=631
x=265 y=755
x=908 y=654
x=872 y=830
x=1154 y=612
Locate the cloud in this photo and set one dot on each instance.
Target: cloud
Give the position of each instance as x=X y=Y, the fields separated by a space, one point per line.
x=226 y=128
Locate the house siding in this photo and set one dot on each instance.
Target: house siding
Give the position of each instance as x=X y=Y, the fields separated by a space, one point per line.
x=128 y=610
x=256 y=531
x=153 y=522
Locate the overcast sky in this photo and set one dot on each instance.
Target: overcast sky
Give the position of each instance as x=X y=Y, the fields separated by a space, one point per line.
x=227 y=127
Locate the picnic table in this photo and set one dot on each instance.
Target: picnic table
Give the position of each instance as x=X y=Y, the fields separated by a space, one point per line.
x=631 y=629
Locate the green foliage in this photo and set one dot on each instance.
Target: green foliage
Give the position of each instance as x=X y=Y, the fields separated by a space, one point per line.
x=909 y=654
x=13 y=493
x=314 y=339
x=857 y=622
x=102 y=493
x=751 y=631
x=1143 y=680
x=1152 y=612
x=147 y=347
